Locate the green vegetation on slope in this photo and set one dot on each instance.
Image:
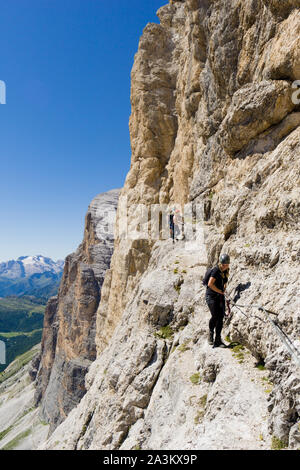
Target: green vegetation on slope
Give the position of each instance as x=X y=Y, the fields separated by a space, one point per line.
x=14 y=442
x=23 y=314
x=17 y=364
x=19 y=343
x=21 y=323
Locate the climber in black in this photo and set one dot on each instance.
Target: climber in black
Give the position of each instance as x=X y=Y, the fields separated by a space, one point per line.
x=215 y=299
x=172 y=224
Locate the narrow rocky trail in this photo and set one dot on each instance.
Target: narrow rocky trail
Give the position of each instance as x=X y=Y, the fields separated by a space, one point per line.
x=211 y=398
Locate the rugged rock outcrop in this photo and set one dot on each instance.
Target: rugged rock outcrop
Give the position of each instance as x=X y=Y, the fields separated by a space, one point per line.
x=68 y=342
x=213 y=124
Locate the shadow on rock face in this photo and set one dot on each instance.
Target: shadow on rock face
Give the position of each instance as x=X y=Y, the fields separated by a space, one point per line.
x=240 y=288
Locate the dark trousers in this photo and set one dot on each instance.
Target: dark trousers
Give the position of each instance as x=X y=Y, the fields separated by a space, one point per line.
x=174 y=230
x=217 y=310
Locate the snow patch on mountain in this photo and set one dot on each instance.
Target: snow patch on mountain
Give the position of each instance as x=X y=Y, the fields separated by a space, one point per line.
x=27 y=265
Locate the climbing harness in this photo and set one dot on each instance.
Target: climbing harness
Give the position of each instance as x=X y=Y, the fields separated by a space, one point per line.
x=277 y=329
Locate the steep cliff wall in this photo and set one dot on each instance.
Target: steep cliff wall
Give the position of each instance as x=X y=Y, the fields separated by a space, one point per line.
x=214 y=124
x=68 y=342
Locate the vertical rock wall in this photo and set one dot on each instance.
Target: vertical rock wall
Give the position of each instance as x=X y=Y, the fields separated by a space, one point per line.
x=68 y=342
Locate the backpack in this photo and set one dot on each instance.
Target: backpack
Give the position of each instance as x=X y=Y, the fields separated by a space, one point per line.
x=206 y=277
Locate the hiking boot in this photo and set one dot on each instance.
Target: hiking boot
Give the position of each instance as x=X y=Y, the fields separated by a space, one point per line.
x=210 y=337
x=219 y=343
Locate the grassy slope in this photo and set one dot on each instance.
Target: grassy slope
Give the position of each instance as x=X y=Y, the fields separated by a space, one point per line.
x=19 y=362
x=21 y=323
x=21 y=314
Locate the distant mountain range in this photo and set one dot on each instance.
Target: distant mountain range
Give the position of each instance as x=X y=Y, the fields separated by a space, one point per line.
x=27 y=265
x=30 y=275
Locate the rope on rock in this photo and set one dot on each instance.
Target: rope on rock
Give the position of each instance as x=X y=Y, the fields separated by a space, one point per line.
x=277 y=329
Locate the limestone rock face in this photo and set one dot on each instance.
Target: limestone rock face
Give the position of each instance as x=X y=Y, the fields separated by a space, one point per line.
x=20 y=425
x=214 y=124
x=68 y=342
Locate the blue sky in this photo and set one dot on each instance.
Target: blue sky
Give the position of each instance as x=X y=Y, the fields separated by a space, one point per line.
x=64 y=128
